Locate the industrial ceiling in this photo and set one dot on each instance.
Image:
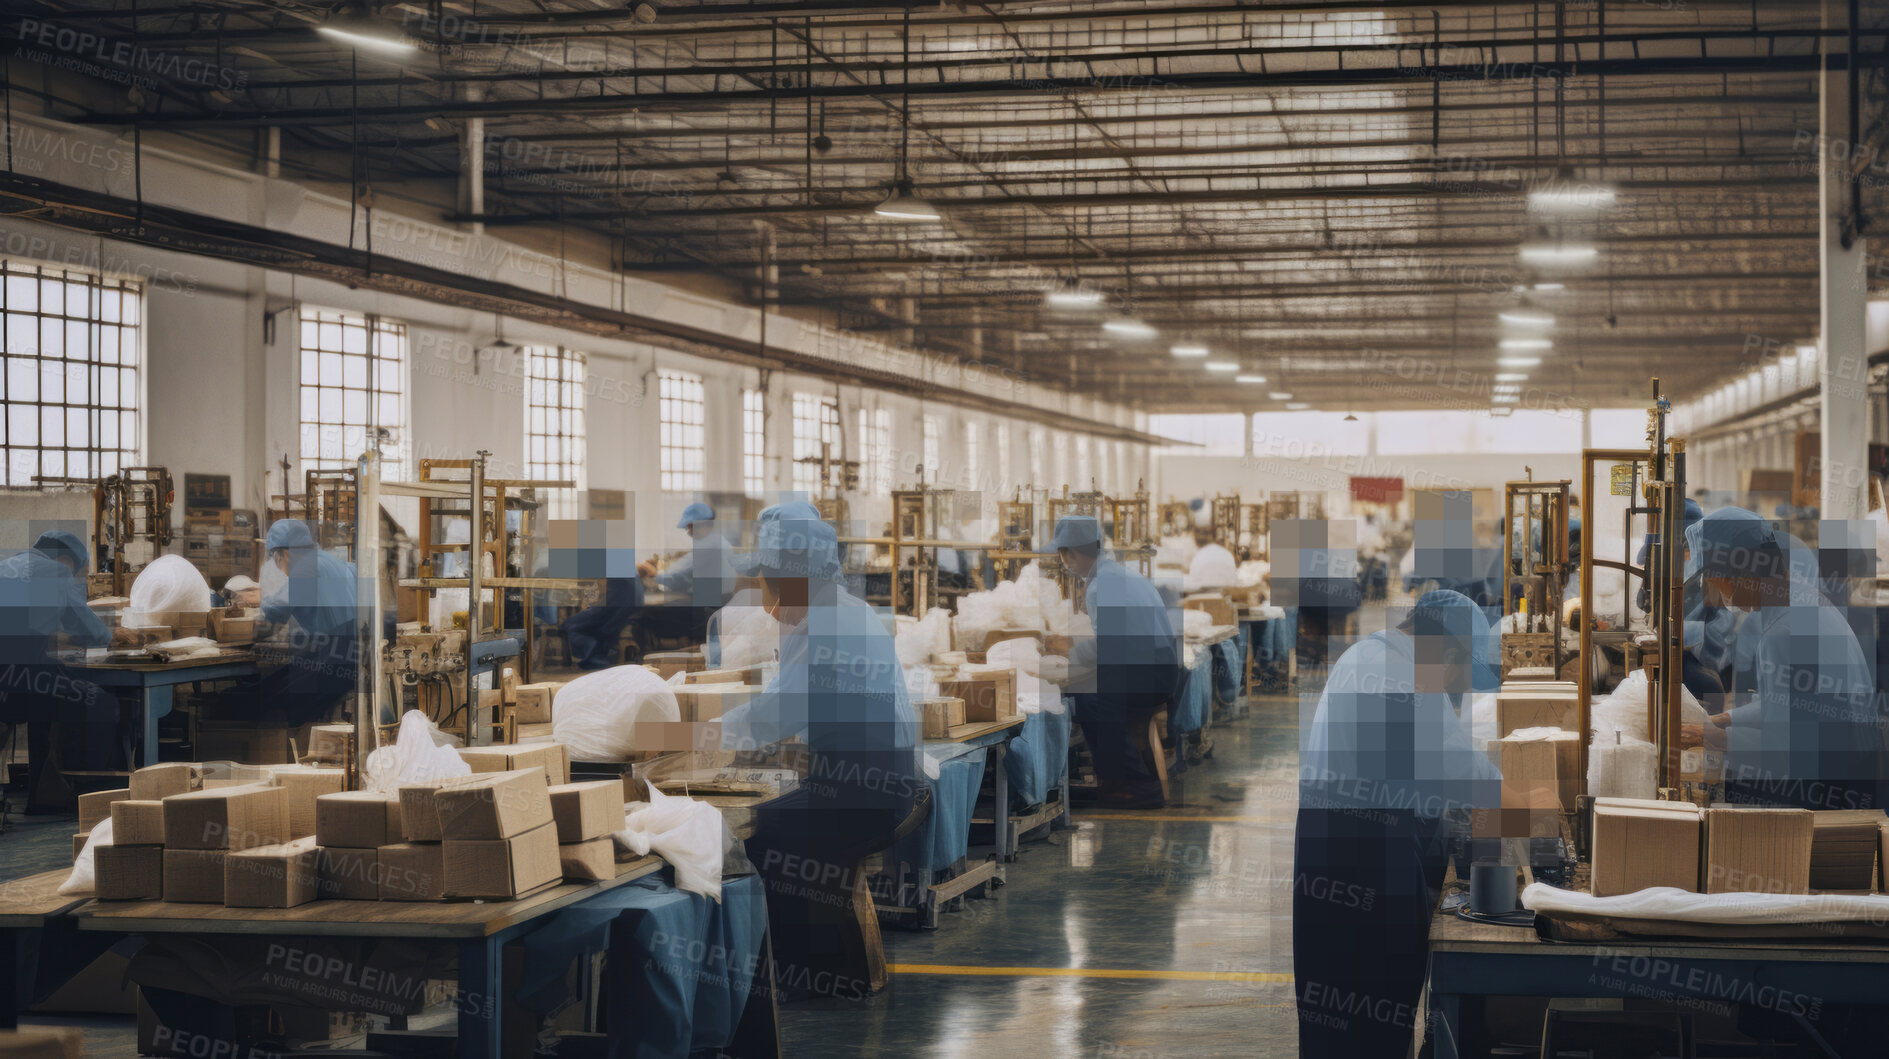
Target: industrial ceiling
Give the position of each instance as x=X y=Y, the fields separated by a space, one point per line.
x=1332 y=196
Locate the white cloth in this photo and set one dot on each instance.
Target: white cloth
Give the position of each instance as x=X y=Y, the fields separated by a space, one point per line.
x=1212 y=567
x=1669 y=902
x=84 y=877
x=598 y=712
x=420 y=753
x=688 y=834
x=171 y=582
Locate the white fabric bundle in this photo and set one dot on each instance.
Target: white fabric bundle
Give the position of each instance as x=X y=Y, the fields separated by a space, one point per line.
x=1620 y=767
x=688 y=834
x=598 y=712
x=1668 y=902
x=1177 y=550
x=919 y=639
x=84 y=877
x=749 y=635
x=1212 y=567
x=1195 y=622
x=1252 y=572
x=171 y=582
x=1625 y=710
x=420 y=753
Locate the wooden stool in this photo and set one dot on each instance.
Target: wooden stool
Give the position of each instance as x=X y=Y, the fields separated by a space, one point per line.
x=1153 y=754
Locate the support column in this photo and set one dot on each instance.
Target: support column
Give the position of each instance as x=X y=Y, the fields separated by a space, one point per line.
x=1842 y=370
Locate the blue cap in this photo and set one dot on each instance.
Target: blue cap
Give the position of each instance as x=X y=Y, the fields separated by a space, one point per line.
x=63 y=544
x=696 y=512
x=288 y=533
x=1733 y=542
x=799 y=547
x=748 y=564
x=1076 y=531
x=1449 y=615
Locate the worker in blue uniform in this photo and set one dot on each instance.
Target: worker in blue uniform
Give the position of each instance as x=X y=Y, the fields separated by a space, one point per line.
x=1125 y=671
x=1387 y=771
x=42 y=594
x=592 y=633
x=700 y=583
x=841 y=691
x=1808 y=734
x=317 y=605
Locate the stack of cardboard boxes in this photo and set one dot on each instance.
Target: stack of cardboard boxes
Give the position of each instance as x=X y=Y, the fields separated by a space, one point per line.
x=1639 y=843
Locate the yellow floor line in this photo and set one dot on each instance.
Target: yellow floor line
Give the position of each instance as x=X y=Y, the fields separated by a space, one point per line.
x=1257 y=977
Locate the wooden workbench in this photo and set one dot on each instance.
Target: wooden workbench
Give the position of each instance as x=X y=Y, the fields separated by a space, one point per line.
x=153 y=681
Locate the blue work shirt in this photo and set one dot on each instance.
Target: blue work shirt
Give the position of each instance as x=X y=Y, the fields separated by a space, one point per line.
x=842 y=690
x=319 y=595
x=1137 y=641
x=1376 y=742
x=706 y=575
x=40 y=597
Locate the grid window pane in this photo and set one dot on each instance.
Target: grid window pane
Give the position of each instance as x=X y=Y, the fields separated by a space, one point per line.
x=554 y=423
x=349 y=396
x=681 y=407
x=753 y=443
x=54 y=371
x=816 y=430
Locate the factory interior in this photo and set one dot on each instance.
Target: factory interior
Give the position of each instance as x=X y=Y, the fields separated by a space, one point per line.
x=942 y=528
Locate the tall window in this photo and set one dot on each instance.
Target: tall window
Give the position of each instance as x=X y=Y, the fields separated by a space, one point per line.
x=354 y=384
x=1083 y=477
x=1103 y=482
x=554 y=422
x=1060 y=445
x=1002 y=477
x=680 y=403
x=70 y=385
x=816 y=423
x=1039 y=455
x=753 y=443
x=970 y=455
x=875 y=450
x=933 y=443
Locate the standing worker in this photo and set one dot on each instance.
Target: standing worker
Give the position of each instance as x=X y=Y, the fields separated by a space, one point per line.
x=42 y=593
x=1125 y=671
x=704 y=579
x=317 y=604
x=1383 y=763
x=842 y=690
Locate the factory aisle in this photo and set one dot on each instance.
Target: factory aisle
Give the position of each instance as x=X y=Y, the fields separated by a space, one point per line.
x=1138 y=934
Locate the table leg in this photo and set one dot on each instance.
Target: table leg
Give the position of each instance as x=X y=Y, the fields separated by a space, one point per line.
x=1446 y=1012
x=13 y=976
x=157 y=703
x=1000 y=820
x=479 y=1003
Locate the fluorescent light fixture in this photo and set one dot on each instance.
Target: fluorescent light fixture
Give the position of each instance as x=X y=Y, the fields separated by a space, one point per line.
x=1526 y=318
x=1222 y=365
x=1129 y=327
x=1187 y=349
x=1544 y=254
x=1511 y=376
x=1505 y=399
x=1551 y=286
x=1073 y=298
x=1572 y=197
x=1249 y=378
x=902 y=205
x=365 y=40
x=1517 y=362
x=1507 y=389
x=1519 y=344
x=1297 y=406
x=1808 y=350
x=1278 y=396
x=355 y=25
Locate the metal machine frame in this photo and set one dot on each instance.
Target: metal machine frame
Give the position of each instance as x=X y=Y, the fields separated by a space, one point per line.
x=1130 y=528
x=1527 y=505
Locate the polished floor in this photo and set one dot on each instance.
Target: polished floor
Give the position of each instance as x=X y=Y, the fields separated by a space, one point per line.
x=1162 y=933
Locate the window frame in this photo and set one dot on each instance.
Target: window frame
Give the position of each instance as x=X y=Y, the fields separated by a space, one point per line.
x=682 y=431
x=35 y=363
x=377 y=333
x=572 y=371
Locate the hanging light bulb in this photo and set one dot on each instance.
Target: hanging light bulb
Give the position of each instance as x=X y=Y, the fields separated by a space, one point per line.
x=903 y=205
x=1129 y=327
x=356 y=25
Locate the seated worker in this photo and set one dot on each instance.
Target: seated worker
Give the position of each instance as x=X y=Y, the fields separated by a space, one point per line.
x=317 y=606
x=1808 y=734
x=704 y=579
x=842 y=691
x=1384 y=762
x=42 y=593
x=1125 y=671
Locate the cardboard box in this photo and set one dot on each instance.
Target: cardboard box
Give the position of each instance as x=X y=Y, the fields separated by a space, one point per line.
x=350 y=874
x=193 y=876
x=534 y=701
x=708 y=702
x=1515 y=710
x=137 y=823
x=246 y=743
x=1843 y=848
x=412 y=871
x=233 y=628
x=715 y=676
x=1541 y=773
x=988 y=694
x=589 y=861
x=78 y=843
x=182 y=623
x=358 y=819
x=154 y=783
x=303 y=784
x=419 y=811
x=128 y=873
x=96 y=808
x=43 y=1042
x=226 y=818
x=494 y=805
x=1215 y=605
x=1756 y=851
x=668 y=663
x=509 y=757
x=502 y=867
x=584 y=811
x=330 y=744
x=940 y=716
x=1635 y=847
x=279 y=876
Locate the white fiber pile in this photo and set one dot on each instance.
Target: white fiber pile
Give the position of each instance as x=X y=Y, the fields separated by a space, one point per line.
x=597 y=713
x=1032 y=601
x=1212 y=567
x=171 y=582
x=1622 y=760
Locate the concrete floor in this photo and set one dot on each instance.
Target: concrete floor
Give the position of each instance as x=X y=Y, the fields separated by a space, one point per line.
x=1137 y=934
